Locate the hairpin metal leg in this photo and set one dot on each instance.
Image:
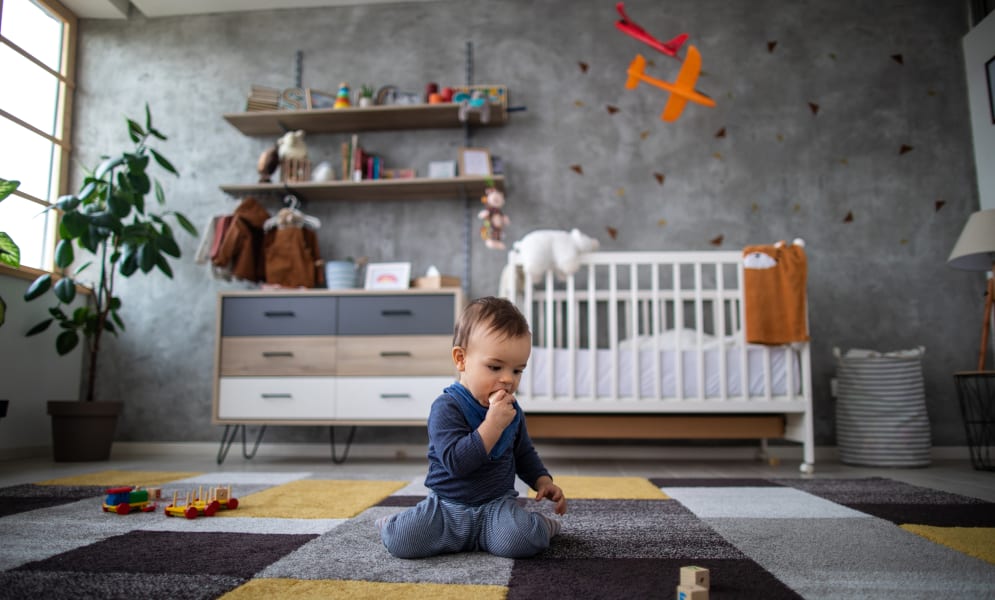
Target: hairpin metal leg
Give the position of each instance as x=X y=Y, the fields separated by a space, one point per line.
x=226 y=442
x=348 y=444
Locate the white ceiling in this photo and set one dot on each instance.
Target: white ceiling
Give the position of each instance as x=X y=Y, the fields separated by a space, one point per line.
x=118 y=9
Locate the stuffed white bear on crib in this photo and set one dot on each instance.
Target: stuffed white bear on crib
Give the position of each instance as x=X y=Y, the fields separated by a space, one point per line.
x=553 y=250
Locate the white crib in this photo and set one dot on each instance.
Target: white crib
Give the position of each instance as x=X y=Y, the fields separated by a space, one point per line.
x=651 y=345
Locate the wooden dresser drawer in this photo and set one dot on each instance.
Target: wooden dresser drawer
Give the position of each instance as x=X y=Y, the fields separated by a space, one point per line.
x=278 y=315
x=276 y=398
x=387 y=398
x=277 y=355
x=396 y=315
x=395 y=355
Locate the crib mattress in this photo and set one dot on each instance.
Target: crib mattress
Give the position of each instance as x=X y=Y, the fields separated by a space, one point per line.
x=708 y=384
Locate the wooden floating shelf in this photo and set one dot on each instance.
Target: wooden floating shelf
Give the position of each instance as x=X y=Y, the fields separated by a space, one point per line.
x=372 y=118
x=421 y=188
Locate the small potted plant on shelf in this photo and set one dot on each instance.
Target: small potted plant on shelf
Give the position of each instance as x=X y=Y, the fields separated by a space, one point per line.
x=109 y=220
x=365 y=95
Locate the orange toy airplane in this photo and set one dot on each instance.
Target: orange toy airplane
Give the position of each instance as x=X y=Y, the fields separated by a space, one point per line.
x=681 y=90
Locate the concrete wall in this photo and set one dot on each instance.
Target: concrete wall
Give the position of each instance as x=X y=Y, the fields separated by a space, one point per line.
x=884 y=76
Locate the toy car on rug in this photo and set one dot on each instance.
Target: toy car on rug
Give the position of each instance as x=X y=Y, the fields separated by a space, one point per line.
x=126 y=499
x=196 y=505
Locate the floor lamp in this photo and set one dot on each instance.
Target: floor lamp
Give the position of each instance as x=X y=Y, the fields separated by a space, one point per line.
x=975 y=251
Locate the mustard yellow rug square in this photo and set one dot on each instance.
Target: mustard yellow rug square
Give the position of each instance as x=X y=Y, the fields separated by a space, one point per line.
x=608 y=488
x=120 y=478
x=978 y=542
x=315 y=499
x=264 y=589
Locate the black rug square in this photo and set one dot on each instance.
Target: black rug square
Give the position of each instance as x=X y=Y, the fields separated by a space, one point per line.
x=22 y=498
x=638 y=578
x=56 y=585
x=187 y=553
x=937 y=515
x=636 y=529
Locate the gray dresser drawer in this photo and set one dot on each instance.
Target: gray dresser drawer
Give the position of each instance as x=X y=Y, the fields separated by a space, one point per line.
x=396 y=315
x=278 y=315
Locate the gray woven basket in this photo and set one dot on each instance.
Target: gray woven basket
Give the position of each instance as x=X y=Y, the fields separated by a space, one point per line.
x=881 y=415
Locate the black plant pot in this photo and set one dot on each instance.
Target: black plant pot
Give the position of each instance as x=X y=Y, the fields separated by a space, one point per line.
x=82 y=431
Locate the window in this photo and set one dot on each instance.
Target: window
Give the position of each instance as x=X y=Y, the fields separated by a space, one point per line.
x=37 y=51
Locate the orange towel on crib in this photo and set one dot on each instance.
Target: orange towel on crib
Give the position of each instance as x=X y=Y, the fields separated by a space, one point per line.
x=775 y=276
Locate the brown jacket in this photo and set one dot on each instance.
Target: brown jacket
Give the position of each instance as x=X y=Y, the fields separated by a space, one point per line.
x=292 y=258
x=241 y=250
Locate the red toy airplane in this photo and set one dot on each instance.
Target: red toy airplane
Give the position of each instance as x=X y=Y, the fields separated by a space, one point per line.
x=625 y=25
x=681 y=90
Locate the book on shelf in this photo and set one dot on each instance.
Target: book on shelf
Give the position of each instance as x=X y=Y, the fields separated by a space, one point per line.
x=263 y=98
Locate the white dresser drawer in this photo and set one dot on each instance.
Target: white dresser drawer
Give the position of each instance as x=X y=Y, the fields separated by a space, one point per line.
x=276 y=398
x=387 y=398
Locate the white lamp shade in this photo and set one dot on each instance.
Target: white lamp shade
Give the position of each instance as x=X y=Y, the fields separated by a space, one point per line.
x=975 y=248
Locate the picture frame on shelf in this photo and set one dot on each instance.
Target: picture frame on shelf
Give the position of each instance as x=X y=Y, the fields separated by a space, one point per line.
x=317 y=99
x=442 y=169
x=388 y=276
x=475 y=161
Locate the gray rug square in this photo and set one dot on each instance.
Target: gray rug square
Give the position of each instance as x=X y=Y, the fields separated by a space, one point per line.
x=353 y=551
x=751 y=502
x=856 y=558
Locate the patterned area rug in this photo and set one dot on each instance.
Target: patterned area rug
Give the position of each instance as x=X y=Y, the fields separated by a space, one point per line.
x=294 y=535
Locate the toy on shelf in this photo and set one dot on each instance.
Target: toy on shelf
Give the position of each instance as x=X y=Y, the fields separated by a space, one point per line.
x=494 y=218
x=291 y=149
x=342 y=98
x=126 y=499
x=195 y=505
x=475 y=101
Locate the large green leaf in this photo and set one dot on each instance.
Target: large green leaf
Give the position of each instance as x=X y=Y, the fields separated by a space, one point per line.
x=10 y=254
x=64 y=254
x=65 y=290
x=38 y=287
x=66 y=342
x=40 y=327
x=7 y=187
x=107 y=166
x=185 y=224
x=135 y=131
x=74 y=225
x=163 y=264
x=165 y=164
x=147 y=254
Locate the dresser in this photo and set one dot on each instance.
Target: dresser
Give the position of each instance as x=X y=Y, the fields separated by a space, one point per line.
x=332 y=357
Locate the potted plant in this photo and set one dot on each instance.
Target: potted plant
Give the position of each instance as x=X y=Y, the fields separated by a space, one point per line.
x=10 y=254
x=109 y=220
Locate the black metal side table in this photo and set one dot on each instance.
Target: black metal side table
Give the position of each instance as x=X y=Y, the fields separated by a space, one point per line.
x=976 y=393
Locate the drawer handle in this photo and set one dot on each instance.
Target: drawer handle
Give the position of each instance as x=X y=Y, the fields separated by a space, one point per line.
x=397 y=353
x=277 y=354
x=275 y=396
x=396 y=313
x=279 y=313
x=395 y=396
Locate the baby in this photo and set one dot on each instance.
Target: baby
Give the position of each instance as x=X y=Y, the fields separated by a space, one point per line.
x=478 y=443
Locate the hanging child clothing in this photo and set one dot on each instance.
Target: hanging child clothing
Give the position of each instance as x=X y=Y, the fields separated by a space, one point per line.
x=241 y=249
x=291 y=252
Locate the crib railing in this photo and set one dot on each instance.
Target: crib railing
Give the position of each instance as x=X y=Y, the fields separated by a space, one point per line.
x=625 y=302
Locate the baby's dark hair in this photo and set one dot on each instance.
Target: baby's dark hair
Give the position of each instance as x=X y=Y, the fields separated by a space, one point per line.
x=496 y=314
